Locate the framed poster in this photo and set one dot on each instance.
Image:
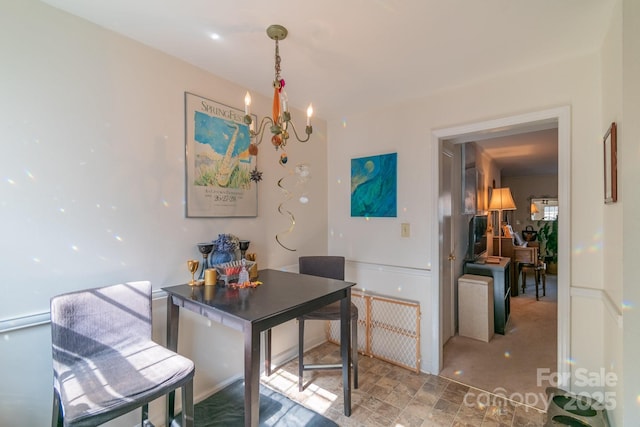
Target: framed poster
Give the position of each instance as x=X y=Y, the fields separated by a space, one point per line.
x=469 y=179
x=374 y=186
x=469 y=195
x=610 y=142
x=217 y=161
x=481 y=193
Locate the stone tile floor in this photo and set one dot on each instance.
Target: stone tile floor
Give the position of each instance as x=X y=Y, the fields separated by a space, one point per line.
x=392 y=396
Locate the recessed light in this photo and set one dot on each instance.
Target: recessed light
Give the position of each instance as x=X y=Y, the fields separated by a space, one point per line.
x=215 y=36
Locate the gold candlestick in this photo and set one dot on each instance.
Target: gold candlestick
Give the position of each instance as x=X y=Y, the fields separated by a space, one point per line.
x=193 y=264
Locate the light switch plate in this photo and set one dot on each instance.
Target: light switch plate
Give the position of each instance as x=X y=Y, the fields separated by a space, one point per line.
x=405 y=229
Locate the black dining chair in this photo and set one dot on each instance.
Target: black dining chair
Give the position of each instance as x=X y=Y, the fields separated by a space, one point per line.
x=331 y=267
x=105 y=363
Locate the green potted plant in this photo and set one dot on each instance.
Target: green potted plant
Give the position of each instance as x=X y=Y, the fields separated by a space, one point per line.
x=548 y=237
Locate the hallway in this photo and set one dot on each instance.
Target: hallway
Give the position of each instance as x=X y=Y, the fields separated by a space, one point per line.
x=510 y=364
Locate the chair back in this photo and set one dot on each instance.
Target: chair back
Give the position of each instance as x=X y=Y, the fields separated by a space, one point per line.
x=87 y=322
x=331 y=267
x=526 y=255
x=105 y=363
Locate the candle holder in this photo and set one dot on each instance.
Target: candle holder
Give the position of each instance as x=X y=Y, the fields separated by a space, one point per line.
x=243 y=245
x=192 y=265
x=205 y=249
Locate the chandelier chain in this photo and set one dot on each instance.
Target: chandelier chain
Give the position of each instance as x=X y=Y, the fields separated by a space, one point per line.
x=277 y=64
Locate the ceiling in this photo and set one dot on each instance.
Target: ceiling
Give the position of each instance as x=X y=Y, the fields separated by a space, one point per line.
x=352 y=55
x=524 y=154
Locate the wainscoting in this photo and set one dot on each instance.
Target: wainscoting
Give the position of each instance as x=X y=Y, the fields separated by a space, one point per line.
x=402 y=284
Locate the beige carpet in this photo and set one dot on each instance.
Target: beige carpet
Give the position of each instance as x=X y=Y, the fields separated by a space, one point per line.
x=508 y=364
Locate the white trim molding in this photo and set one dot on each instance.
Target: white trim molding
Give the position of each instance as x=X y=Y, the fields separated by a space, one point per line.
x=412 y=271
x=600 y=294
x=24 y=322
x=17 y=323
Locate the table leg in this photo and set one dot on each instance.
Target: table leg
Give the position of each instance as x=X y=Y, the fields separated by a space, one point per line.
x=267 y=352
x=345 y=341
x=173 y=317
x=251 y=376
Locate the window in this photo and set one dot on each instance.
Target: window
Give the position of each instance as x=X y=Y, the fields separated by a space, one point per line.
x=544 y=209
x=550 y=213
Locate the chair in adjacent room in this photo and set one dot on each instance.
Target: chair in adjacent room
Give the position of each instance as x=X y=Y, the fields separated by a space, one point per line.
x=527 y=258
x=540 y=275
x=105 y=363
x=524 y=257
x=331 y=267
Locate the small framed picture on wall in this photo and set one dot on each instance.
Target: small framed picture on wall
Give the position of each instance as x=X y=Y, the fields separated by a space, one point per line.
x=610 y=142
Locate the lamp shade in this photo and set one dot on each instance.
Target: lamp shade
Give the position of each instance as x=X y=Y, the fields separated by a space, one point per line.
x=501 y=200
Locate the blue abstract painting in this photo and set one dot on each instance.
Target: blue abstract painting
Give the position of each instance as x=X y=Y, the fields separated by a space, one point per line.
x=374 y=186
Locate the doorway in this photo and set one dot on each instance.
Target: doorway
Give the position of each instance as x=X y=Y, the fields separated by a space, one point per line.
x=515 y=124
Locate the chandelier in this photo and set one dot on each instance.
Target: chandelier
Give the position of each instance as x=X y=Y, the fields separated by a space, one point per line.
x=280 y=120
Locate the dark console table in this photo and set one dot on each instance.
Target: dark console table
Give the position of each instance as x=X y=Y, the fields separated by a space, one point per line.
x=501 y=273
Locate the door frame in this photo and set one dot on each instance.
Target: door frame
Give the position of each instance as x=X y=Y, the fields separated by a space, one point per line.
x=562 y=117
x=445 y=152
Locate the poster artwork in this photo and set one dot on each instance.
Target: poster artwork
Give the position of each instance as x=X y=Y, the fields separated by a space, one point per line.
x=218 y=163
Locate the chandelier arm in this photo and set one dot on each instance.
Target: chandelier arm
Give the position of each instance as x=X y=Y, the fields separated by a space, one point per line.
x=259 y=134
x=308 y=131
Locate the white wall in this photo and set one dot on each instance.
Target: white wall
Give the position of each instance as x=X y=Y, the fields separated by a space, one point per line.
x=406 y=128
x=612 y=111
x=630 y=199
x=93 y=190
x=377 y=241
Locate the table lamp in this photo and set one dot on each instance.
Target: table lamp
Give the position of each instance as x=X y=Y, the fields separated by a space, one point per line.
x=501 y=200
x=534 y=208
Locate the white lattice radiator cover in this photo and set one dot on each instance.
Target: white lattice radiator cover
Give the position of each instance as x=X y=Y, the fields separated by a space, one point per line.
x=388 y=329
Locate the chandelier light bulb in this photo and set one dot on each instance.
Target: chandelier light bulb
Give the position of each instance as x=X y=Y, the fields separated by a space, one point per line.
x=247 y=103
x=309 y=113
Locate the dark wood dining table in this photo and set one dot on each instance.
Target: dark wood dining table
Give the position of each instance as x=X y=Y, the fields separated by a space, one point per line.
x=282 y=296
